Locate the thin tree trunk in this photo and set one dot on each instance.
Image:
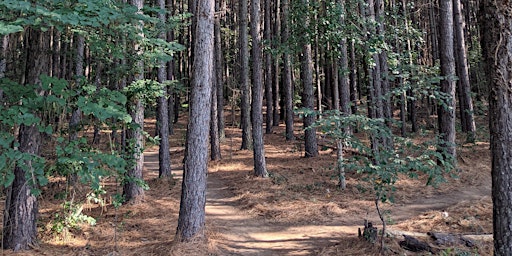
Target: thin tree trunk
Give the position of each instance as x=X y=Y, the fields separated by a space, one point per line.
x=466 y=103
x=164 y=155
x=191 y=220
x=308 y=100
x=268 y=69
x=219 y=63
x=214 y=121
x=260 y=166
x=170 y=73
x=276 y=68
x=353 y=78
x=244 y=77
x=287 y=73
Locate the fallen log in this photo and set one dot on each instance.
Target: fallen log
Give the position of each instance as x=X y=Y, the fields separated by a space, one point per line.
x=399 y=233
x=412 y=244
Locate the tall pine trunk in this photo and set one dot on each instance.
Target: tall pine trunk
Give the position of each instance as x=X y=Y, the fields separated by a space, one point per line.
x=191 y=220
x=308 y=97
x=132 y=191
x=260 y=168
x=446 y=112
x=287 y=73
x=164 y=155
x=496 y=42
x=21 y=206
x=466 y=103
x=244 y=77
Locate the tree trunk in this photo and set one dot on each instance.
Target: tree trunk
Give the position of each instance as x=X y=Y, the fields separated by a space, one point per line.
x=21 y=207
x=164 y=155
x=191 y=220
x=268 y=69
x=260 y=166
x=219 y=64
x=496 y=31
x=287 y=73
x=466 y=103
x=276 y=68
x=214 y=121
x=446 y=111
x=132 y=191
x=308 y=97
x=244 y=77
x=171 y=109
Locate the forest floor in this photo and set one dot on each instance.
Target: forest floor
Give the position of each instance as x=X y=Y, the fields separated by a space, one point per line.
x=297 y=211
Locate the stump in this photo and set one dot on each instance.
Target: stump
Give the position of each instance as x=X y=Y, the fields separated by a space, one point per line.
x=369 y=232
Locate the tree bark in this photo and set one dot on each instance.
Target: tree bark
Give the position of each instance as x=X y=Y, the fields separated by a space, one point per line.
x=219 y=64
x=244 y=77
x=21 y=206
x=132 y=191
x=214 y=121
x=287 y=73
x=268 y=69
x=446 y=112
x=276 y=68
x=260 y=166
x=164 y=155
x=466 y=103
x=496 y=42
x=191 y=220
x=308 y=100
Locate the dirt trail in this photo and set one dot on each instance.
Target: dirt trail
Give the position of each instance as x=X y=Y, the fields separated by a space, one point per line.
x=243 y=233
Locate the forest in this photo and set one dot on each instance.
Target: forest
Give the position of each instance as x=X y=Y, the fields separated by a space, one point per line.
x=256 y=127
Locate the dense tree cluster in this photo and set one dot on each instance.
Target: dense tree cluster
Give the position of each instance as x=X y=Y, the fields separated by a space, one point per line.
x=72 y=70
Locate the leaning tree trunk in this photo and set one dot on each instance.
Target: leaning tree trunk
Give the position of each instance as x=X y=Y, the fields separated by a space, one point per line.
x=496 y=30
x=446 y=112
x=132 y=191
x=244 y=77
x=308 y=97
x=466 y=103
x=191 y=220
x=21 y=207
x=260 y=166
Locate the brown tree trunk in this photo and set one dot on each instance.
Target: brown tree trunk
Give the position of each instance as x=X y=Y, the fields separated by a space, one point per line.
x=446 y=112
x=496 y=42
x=191 y=220
x=268 y=69
x=308 y=97
x=244 y=77
x=132 y=191
x=21 y=207
x=164 y=155
x=466 y=103
x=260 y=166
x=219 y=64
x=287 y=73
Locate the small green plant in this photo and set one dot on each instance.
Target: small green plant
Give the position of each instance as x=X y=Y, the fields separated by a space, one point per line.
x=70 y=218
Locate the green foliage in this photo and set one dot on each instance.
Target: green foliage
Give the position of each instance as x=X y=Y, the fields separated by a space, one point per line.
x=382 y=167
x=69 y=218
